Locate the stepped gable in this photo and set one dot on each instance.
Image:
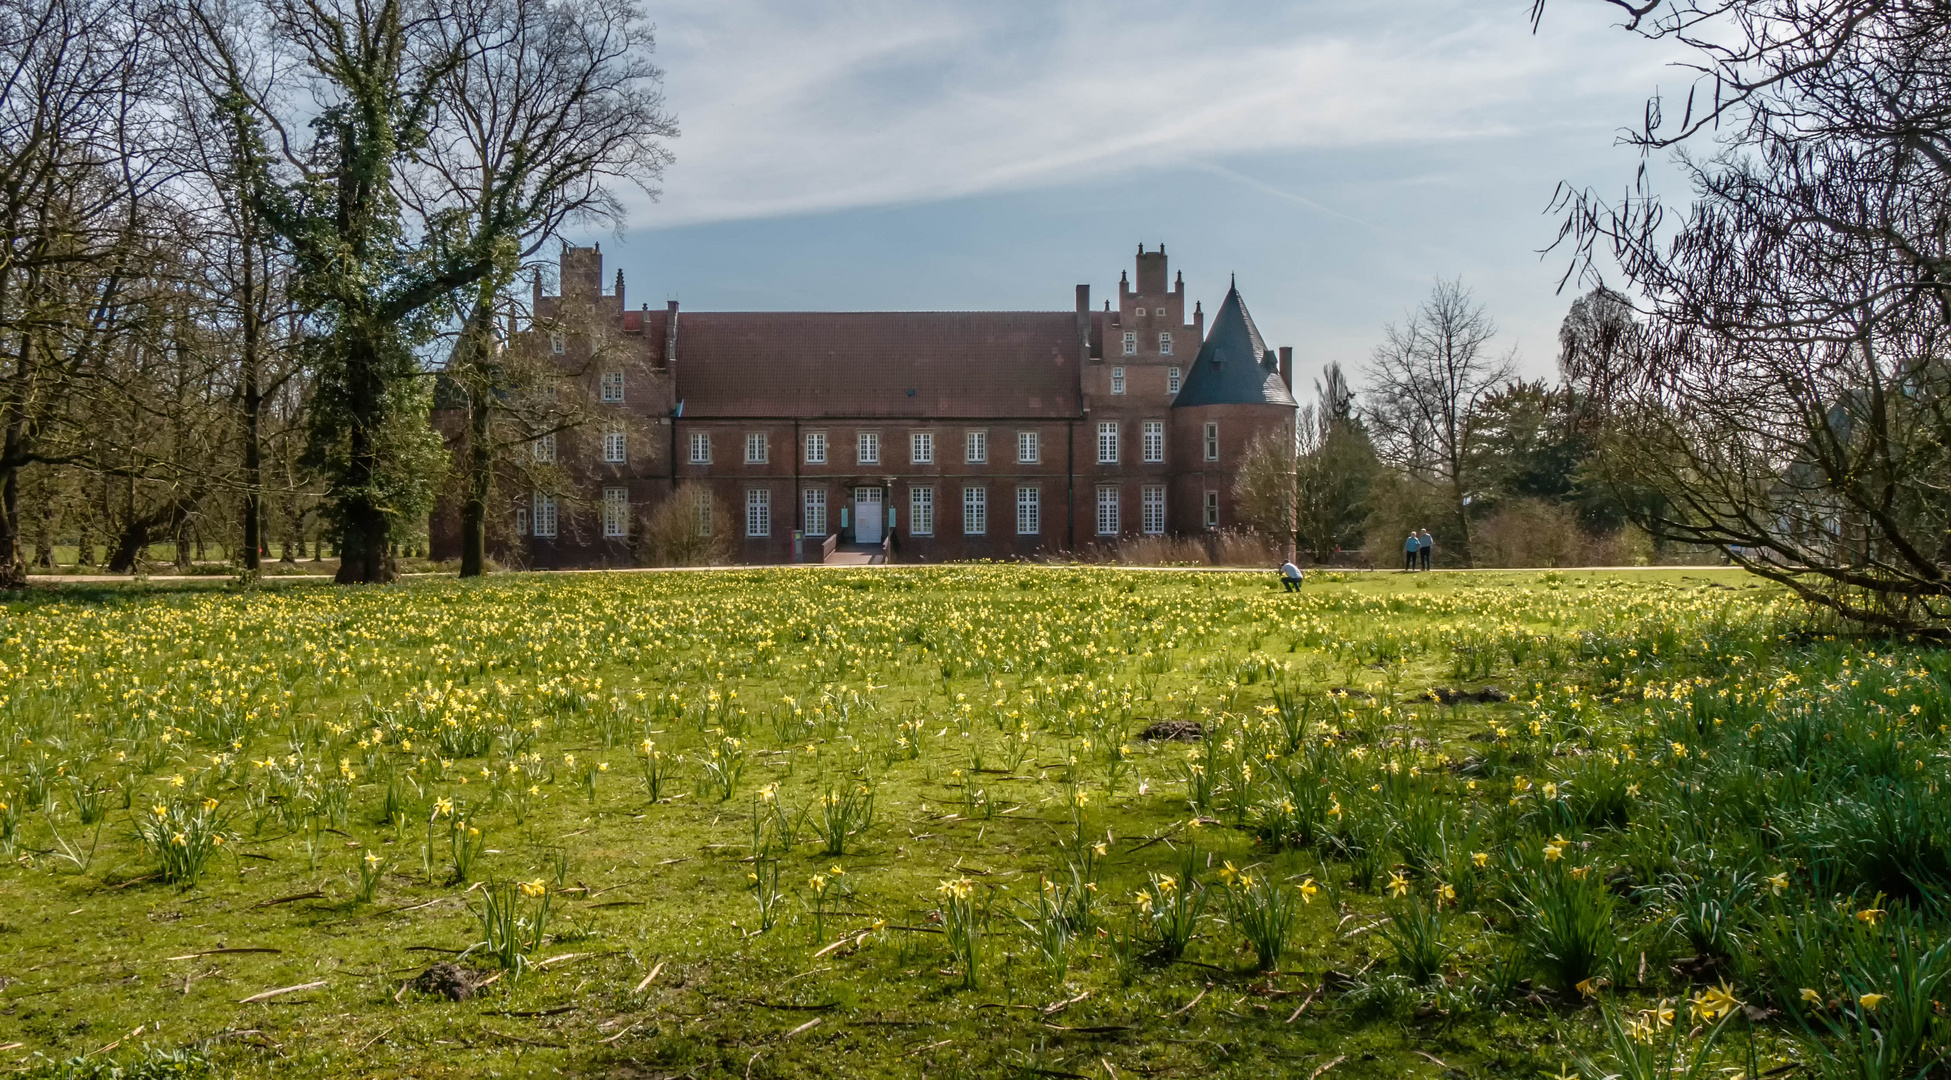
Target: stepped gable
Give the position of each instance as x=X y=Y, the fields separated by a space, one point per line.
x=879 y=364
x=1234 y=366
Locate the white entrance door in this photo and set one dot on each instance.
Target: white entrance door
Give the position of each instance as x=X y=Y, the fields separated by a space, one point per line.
x=867 y=515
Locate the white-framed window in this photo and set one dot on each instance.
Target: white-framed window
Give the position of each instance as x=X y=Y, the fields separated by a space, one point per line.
x=921 y=448
x=1212 y=440
x=616 y=448
x=975 y=511
x=544 y=517
x=867 y=448
x=521 y=521
x=975 y=447
x=1117 y=380
x=542 y=449
x=816 y=448
x=1107 y=442
x=756 y=448
x=1165 y=344
x=1153 y=503
x=1107 y=511
x=1028 y=512
x=1160 y=313
x=921 y=511
x=704 y=509
x=616 y=511
x=1029 y=447
x=1172 y=380
x=815 y=512
x=1212 y=509
x=612 y=387
x=1154 y=441
x=1131 y=343
x=556 y=344
x=701 y=448
x=758 y=512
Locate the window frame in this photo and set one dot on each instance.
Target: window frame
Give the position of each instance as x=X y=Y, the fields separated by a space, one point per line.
x=542 y=449
x=546 y=517
x=1151 y=502
x=1212 y=509
x=815 y=448
x=975 y=447
x=921 y=510
x=758 y=513
x=1131 y=343
x=1029 y=448
x=1152 y=442
x=1118 y=380
x=612 y=388
x=975 y=510
x=704 y=505
x=921 y=448
x=1165 y=343
x=616 y=512
x=1029 y=510
x=1107 y=442
x=700 y=447
x=1108 y=504
x=812 y=501
x=1211 y=435
x=1174 y=378
x=758 y=448
x=616 y=447
x=867 y=448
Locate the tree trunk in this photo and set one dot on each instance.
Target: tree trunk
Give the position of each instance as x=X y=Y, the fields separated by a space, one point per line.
x=129 y=548
x=480 y=482
x=13 y=572
x=364 y=529
x=253 y=508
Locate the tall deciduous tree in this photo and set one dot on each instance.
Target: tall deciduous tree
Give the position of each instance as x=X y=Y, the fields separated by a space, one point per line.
x=556 y=106
x=75 y=186
x=1786 y=397
x=1428 y=383
x=370 y=278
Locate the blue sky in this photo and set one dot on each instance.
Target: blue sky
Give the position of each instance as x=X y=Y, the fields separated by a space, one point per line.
x=1337 y=155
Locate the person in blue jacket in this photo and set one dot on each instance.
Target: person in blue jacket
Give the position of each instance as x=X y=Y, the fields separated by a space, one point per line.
x=1409 y=549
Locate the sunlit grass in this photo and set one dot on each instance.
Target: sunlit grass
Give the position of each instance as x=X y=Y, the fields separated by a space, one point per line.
x=685 y=815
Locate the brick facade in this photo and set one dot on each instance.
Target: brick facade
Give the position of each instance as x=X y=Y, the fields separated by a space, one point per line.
x=986 y=434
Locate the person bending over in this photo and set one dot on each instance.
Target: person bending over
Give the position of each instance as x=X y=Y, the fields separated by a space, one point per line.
x=1290 y=577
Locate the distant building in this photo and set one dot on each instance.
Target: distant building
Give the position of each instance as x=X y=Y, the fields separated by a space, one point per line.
x=978 y=434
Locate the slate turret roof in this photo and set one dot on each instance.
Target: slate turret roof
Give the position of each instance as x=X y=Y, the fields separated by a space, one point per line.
x=1234 y=366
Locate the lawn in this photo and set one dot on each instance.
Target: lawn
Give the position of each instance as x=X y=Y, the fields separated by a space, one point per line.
x=906 y=822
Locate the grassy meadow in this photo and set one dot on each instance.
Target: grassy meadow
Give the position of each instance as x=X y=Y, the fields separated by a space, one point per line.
x=903 y=822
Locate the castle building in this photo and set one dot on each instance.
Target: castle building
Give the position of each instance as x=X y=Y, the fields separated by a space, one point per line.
x=964 y=434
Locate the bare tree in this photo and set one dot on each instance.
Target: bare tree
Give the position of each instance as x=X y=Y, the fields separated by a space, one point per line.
x=1787 y=396
x=74 y=185
x=1427 y=384
x=554 y=104
x=1263 y=489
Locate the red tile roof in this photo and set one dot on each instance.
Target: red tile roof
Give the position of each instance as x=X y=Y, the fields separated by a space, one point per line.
x=876 y=364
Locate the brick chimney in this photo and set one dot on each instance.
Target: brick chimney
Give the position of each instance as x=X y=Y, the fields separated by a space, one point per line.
x=1287 y=366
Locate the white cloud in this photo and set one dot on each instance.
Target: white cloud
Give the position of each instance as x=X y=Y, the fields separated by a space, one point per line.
x=796 y=106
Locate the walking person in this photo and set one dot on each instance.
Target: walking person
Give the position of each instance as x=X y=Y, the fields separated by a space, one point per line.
x=1427 y=545
x=1409 y=549
x=1290 y=576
